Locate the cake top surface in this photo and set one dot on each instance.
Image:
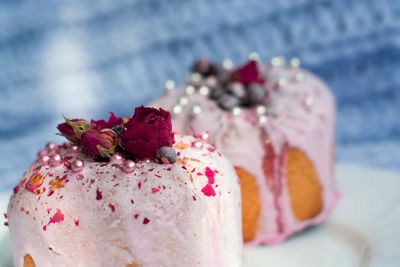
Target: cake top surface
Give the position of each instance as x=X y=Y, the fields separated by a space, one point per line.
x=285 y=101
x=149 y=158
x=125 y=198
x=255 y=91
x=121 y=147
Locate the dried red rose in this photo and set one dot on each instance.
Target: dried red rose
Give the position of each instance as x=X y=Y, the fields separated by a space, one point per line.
x=147 y=131
x=73 y=129
x=99 y=143
x=247 y=74
x=102 y=124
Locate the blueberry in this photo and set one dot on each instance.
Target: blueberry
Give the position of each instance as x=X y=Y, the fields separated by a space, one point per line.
x=236 y=89
x=228 y=102
x=223 y=75
x=256 y=94
x=166 y=155
x=202 y=66
x=216 y=93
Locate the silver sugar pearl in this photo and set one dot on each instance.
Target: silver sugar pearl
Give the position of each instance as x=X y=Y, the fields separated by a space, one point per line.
x=262 y=120
x=189 y=89
x=236 y=111
x=295 y=62
x=278 y=61
x=204 y=90
x=227 y=64
x=282 y=82
x=196 y=109
x=169 y=85
x=183 y=101
x=195 y=77
x=261 y=109
x=177 y=109
x=55 y=160
x=254 y=56
x=299 y=77
x=77 y=165
x=309 y=101
x=129 y=166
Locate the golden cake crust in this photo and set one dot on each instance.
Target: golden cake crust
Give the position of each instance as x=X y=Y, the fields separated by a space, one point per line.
x=28 y=261
x=251 y=205
x=304 y=188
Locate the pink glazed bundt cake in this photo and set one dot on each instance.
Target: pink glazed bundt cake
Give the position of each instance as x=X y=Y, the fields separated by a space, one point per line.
x=127 y=192
x=275 y=123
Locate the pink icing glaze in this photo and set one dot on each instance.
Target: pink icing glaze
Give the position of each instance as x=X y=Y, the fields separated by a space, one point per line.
x=156 y=216
x=291 y=123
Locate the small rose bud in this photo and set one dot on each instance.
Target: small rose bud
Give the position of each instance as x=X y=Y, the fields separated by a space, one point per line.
x=73 y=129
x=99 y=143
x=166 y=155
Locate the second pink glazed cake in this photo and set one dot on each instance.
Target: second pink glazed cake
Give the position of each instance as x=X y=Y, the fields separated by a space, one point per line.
x=275 y=123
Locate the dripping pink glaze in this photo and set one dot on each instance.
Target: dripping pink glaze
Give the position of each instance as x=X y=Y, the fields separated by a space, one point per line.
x=90 y=209
x=240 y=139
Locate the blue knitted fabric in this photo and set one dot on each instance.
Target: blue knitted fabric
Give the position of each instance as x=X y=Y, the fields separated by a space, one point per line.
x=84 y=58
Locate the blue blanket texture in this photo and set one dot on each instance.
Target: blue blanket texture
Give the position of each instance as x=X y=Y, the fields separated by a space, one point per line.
x=85 y=58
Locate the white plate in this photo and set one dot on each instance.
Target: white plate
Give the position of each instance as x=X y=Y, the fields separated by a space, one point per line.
x=363 y=231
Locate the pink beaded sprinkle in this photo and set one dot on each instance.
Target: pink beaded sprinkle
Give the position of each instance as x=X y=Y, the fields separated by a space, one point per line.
x=51 y=146
x=197 y=144
x=117 y=158
x=129 y=166
x=41 y=153
x=77 y=165
x=55 y=160
x=44 y=160
x=73 y=148
x=204 y=136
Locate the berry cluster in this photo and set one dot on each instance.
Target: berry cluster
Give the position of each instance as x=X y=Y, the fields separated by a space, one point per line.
x=243 y=86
